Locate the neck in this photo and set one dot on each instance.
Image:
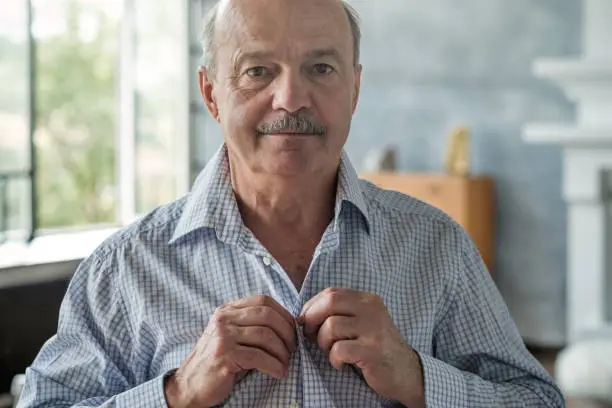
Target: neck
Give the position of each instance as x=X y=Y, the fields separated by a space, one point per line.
x=301 y=204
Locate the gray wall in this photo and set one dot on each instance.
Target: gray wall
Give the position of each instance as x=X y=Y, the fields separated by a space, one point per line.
x=430 y=66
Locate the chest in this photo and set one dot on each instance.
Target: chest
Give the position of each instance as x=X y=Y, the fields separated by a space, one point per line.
x=170 y=314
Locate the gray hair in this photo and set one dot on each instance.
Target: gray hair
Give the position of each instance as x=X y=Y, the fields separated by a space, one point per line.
x=210 y=21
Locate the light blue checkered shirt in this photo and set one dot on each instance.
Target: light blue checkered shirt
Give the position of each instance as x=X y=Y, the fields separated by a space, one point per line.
x=136 y=307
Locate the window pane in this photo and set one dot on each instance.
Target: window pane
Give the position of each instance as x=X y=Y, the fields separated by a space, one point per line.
x=76 y=94
x=14 y=117
x=18 y=208
x=158 y=99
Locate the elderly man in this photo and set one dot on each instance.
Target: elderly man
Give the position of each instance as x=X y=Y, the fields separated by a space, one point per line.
x=282 y=279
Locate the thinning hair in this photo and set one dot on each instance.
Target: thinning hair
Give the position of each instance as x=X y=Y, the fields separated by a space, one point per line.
x=209 y=45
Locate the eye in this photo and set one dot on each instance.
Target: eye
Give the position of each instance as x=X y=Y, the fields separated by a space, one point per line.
x=256 y=72
x=322 y=69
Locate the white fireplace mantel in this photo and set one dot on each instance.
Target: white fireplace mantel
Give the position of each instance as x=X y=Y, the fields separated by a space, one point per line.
x=587 y=161
x=569 y=135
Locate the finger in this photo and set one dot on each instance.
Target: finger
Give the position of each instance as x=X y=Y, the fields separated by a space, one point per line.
x=312 y=300
x=336 y=328
x=348 y=352
x=268 y=317
x=332 y=301
x=264 y=300
x=252 y=358
x=265 y=339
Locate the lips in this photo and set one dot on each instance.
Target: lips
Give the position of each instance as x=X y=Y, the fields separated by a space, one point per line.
x=290 y=133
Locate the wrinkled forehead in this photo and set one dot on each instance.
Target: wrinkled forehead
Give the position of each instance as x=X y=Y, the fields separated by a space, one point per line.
x=283 y=27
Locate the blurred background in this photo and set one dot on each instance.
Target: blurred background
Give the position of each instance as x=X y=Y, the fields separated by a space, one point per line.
x=101 y=121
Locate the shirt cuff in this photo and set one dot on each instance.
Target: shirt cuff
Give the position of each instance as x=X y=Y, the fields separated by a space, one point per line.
x=445 y=385
x=146 y=395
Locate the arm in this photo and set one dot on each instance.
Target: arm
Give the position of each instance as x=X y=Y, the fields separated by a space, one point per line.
x=479 y=357
x=87 y=363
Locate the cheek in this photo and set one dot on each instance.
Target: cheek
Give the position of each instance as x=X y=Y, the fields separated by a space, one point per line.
x=335 y=110
x=335 y=99
x=241 y=117
x=241 y=112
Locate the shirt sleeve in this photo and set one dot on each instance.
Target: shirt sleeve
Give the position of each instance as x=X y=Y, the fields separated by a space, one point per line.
x=88 y=362
x=479 y=358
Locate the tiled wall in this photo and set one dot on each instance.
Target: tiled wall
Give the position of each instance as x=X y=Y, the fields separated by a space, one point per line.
x=431 y=65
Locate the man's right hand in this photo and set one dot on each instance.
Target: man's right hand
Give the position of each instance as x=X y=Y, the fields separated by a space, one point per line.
x=251 y=334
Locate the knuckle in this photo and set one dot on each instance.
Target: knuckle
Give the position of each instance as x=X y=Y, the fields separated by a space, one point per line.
x=219 y=318
x=261 y=300
x=224 y=332
x=337 y=349
x=370 y=300
x=334 y=295
x=266 y=314
x=258 y=311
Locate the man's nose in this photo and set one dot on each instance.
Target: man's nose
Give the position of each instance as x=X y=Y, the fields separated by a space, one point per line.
x=291 y=93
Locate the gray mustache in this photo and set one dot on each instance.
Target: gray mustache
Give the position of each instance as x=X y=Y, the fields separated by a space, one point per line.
x=292 y=124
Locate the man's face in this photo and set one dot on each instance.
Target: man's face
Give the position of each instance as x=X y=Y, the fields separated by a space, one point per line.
x=285 y=85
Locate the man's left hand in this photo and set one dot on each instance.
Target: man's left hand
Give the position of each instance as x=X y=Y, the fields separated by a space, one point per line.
x=356 y=328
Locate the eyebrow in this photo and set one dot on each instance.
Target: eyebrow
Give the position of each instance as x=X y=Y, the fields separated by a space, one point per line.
x=259 y=55
x=252 y=55
x=324 y=52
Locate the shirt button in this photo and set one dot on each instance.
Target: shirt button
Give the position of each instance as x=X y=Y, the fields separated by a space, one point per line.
x=267 y=261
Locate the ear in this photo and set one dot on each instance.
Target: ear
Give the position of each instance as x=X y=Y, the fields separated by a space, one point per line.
x=207 y=89
x=358 y=71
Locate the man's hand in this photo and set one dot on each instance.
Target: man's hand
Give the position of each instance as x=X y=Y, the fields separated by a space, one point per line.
x=355 y=328
x=251 y=334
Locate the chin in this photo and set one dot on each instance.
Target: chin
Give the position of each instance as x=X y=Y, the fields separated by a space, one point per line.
x=289 y=171
x=288 y=167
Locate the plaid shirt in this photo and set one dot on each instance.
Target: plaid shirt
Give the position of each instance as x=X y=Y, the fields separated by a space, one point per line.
x=136 y=307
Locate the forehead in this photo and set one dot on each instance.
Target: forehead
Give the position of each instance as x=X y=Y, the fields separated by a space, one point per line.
x=283 y=26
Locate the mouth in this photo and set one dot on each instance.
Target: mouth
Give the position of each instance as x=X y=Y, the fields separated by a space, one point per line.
x=287 y=134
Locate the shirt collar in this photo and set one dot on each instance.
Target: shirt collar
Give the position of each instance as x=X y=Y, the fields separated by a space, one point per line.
x=212 y=203
x=349 y=191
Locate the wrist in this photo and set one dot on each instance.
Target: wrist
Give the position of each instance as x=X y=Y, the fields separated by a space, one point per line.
x=413 y=391
x=175 y=398
x=171 y=391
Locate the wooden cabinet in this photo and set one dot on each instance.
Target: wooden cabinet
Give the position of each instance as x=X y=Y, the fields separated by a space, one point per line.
x=468 y=200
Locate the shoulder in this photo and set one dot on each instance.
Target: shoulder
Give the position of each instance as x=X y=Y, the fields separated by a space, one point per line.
x=395 y=205
x=415 y=225
x=155 y=228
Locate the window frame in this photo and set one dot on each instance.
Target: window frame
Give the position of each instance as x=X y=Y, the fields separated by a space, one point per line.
x=31 y=250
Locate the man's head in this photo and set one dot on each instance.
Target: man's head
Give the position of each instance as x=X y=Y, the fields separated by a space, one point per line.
x=282 y=78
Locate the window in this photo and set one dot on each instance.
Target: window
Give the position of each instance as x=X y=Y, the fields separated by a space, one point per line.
x=94 y=113
x=160 y=100
x=76 y=58
x=14 y=120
